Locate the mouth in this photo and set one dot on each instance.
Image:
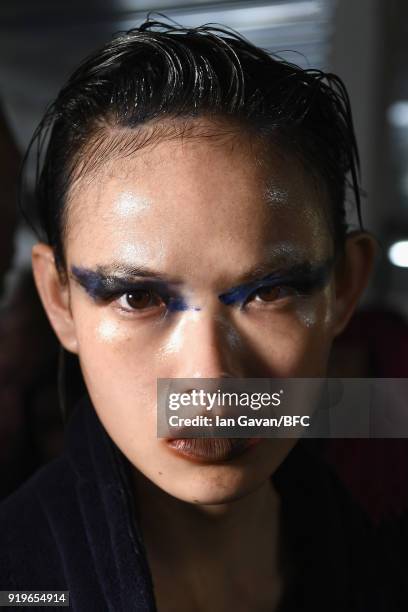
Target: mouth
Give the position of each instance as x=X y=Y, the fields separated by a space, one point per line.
x=211 y=450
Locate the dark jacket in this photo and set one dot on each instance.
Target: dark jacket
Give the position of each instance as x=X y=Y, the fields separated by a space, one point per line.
x=71 y=527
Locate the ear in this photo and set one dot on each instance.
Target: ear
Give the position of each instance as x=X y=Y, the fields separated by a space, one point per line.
x=54 y=294
x=352 y=274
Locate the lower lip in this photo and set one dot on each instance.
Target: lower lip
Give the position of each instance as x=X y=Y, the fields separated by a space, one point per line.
x=214 y=450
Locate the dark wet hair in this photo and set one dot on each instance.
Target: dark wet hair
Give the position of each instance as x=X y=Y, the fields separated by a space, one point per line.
x=161 y=70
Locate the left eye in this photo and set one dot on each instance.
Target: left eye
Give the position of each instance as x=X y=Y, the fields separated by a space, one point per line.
x=140 y=299
x=272 y=294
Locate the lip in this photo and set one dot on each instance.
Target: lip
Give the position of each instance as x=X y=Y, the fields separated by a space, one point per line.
x=211 y=450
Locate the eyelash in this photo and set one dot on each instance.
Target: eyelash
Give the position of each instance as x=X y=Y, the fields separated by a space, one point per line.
x=165 y=299
x=153 y=296
x=292 y=289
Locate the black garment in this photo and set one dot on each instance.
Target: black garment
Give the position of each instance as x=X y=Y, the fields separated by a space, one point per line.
x=72 y=527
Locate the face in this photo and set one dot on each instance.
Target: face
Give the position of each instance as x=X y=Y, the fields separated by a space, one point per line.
x=197 y=258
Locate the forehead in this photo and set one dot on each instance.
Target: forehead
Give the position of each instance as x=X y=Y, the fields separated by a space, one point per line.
x=192 y=197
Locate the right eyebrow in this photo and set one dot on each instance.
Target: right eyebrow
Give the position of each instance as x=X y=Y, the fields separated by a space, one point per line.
x=101 y=283
x=125 y=271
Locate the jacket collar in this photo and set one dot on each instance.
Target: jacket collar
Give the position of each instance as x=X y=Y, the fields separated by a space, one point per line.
x=107 y=509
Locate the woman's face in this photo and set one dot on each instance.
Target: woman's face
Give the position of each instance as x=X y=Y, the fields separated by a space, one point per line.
x=153 y=241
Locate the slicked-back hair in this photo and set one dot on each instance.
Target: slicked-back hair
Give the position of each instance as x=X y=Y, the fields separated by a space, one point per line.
x=161 y=71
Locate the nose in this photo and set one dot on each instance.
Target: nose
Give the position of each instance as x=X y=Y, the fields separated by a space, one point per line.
x=207 y=346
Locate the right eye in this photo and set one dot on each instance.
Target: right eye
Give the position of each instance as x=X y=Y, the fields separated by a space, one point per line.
x=139 y=300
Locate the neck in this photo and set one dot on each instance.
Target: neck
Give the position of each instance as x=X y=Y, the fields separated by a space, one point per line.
x=235 y=534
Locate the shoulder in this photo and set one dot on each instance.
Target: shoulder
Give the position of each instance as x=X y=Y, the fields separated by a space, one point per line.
x=328 y=534
x=29 y=540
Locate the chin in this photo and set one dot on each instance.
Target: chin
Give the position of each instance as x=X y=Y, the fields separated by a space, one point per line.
x=213 y=487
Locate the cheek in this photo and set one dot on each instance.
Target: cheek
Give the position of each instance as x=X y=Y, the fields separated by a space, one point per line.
x=117 y=359
x=121 y=359
x=296 y=343
x=118 y=370
x=319 y=312
x=314 y=324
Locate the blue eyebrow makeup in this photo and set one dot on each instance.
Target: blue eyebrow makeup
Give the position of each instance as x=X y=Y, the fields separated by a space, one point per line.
x=304 y=277
x=103 y=287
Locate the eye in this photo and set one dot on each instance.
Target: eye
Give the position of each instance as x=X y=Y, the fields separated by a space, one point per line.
x=272 y=294
x=140 y=299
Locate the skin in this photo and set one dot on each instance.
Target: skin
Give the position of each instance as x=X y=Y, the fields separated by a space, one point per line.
x=206 y=220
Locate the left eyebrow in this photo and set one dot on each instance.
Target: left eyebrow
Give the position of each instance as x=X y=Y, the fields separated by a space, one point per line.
x=306 y=276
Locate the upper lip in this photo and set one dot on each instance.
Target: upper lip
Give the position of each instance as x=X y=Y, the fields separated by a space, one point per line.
x=184 y=433
x=211 y=450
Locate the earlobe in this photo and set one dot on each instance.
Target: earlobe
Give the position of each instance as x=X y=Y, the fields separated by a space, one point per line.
x=352 y=276
x=54 y=294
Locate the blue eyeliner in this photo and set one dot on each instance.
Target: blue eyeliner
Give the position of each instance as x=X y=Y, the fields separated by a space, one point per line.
x=104 y=287
x=305 y=278
x=176 y=304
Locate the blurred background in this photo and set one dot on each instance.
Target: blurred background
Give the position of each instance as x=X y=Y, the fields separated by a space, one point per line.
x=364 y=42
